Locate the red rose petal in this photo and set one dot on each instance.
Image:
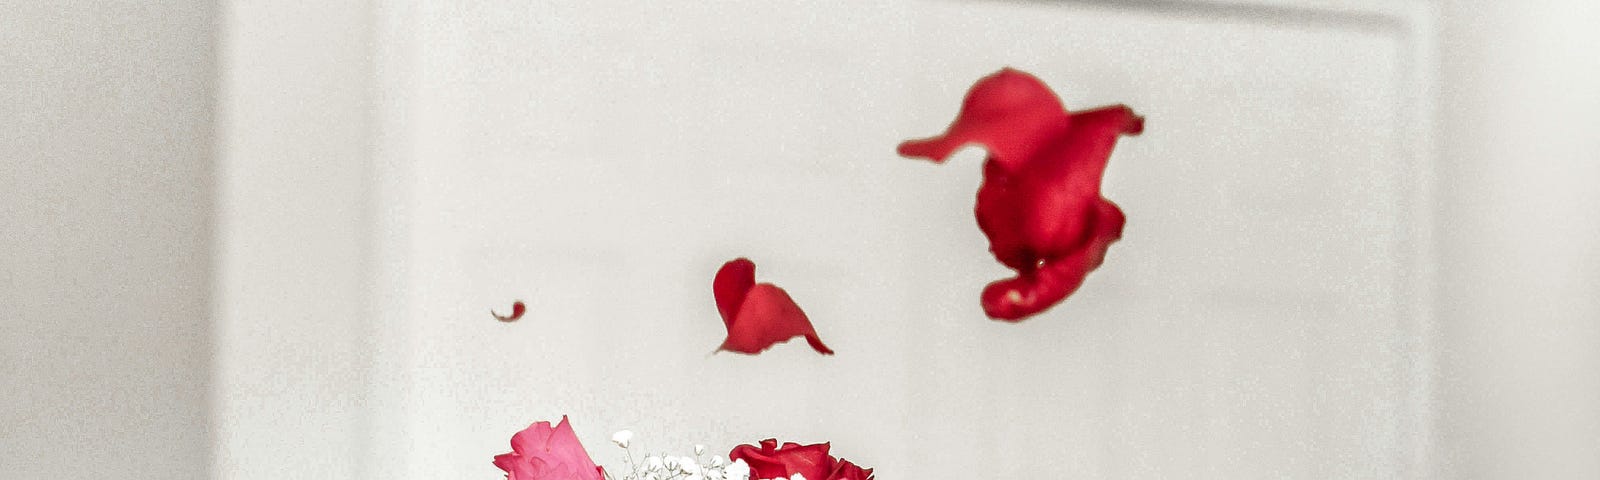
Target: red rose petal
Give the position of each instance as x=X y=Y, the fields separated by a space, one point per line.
x=758 y=315
x=1005 y=112
x=729 y=287
x=1035 y=290
x=517 y=309
x=1040 y=203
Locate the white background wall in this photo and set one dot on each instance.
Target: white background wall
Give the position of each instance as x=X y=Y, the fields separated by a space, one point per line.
x=106 y=206
x=373 y=160
x=1520 y=240
x=291 y=275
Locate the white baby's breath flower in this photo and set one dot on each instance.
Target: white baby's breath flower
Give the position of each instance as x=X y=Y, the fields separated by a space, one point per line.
x=654 y=463
x=716 y=460
x=688 y=465
x=622 y=438
x=797 y=477
x=738 y=470
x=670 y=462
x=699 y=449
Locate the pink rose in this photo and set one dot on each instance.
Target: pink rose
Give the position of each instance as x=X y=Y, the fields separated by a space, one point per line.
x=544 y=453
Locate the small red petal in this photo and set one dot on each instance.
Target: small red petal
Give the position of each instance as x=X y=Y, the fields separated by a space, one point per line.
x=1040 y=204
x=767 y=317
x=517 y=309
x=761 y=314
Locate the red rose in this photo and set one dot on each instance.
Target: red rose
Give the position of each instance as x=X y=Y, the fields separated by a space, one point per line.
x=1040 y=203
x=810 y=461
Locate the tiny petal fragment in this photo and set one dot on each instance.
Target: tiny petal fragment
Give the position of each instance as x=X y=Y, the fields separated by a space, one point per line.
x=758 y=315
x=1040 y=204
x=517 y=309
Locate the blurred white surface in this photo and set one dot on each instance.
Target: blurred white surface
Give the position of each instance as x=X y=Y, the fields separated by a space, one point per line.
x=1519 y=261
x=105 y=218
x=291 y=274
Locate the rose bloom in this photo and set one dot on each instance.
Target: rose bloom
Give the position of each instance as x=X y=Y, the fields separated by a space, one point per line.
x=541 y=452
x=811 y=461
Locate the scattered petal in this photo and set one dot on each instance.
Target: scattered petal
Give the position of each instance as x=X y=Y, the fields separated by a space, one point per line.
x=517 y=309
x=1040 y=204
x=758 y=315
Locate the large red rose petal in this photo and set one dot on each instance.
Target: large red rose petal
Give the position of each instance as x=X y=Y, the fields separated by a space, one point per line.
x=758 y=315
x=1040 y=204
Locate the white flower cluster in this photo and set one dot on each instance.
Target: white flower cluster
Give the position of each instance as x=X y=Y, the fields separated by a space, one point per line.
x=668 y=467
